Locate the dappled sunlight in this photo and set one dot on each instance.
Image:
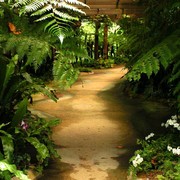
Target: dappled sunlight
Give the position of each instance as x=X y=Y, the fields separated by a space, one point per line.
x=96 y=135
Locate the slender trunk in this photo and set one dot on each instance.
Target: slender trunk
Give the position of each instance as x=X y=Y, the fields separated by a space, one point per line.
x=96 y=49
x=105 y=51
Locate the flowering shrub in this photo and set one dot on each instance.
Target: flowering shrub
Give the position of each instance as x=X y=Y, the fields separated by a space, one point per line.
x=160 y=153
x=149 y=136
x=173 y=122
x=138 y=160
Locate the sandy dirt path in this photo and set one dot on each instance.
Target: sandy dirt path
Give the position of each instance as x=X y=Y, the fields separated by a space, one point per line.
x=96 y=136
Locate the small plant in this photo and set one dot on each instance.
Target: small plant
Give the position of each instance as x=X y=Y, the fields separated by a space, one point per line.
x=159 y=153
x=85 y=69
x=104 y=63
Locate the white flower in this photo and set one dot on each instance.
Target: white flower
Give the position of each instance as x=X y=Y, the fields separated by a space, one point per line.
x=174 y=117
x=176 y=125
x=162 y=124
x=174 y=150
x=178 y=151
x=170 y=122
x=134 y=163
x=138 y=160
x=169 y=148
x=149 y=136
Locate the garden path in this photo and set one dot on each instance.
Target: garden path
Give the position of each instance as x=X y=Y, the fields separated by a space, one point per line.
x=97 y=135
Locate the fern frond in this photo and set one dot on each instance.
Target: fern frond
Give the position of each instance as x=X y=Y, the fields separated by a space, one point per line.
x=35 y=50
x=45 y=9
x=47 y=16
x=176 y=67
x=64 y=15
x=64 y=74
x=70 y=7
x=21 y=2
x=75 y=2
x=52 y=10
x=34 y=6
x=177 y=90
x=163 y=53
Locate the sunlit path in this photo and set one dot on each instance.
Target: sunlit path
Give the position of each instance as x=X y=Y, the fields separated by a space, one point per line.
x=96 y=136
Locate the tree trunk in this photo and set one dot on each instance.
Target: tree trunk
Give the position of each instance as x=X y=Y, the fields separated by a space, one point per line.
x=96 y=49
x=105 y=51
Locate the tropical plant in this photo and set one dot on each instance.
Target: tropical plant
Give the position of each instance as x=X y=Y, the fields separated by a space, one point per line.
x=151 y=46
x=24 y=47
x=58 y=14
x=38 y=50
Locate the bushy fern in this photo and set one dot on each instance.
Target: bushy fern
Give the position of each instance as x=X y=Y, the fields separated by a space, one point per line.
x=64 y=73
x=31 y=51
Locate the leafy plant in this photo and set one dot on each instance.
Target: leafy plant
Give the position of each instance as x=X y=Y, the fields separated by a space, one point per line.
x=151 y=47
x=163 y=53
x=64 y=74
x=159 y=153
x=34 y=135
x=7 y=166
x=104 y=63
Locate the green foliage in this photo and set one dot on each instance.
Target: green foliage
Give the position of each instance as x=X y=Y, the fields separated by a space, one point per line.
x=4 y=165
x=8 y=147
x=32 y=51
x=34 y=139
x=85 y=69
x=20 y=112
x=64 y=74
x=159 y=153
x=56 y=12
x=163 y=53
x=7 y=166
x=150 y=46
x=41 y=148
x=16 y=88
x=104 y=63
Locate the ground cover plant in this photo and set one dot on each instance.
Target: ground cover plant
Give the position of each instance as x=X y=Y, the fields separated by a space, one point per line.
x=159 y=154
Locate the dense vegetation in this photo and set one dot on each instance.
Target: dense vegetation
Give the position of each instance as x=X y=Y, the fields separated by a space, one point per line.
x=27 y=50
x=151 y=48
x=47 y=39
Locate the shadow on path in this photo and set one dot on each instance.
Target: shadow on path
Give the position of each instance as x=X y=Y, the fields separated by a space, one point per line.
x=99 y=129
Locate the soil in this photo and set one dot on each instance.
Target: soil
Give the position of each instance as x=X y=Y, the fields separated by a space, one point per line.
x=99 y=127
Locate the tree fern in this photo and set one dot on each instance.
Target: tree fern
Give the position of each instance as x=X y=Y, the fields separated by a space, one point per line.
x=56 y=12
x=163 y=53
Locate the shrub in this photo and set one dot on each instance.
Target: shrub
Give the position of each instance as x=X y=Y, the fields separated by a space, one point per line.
x=159 y=153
